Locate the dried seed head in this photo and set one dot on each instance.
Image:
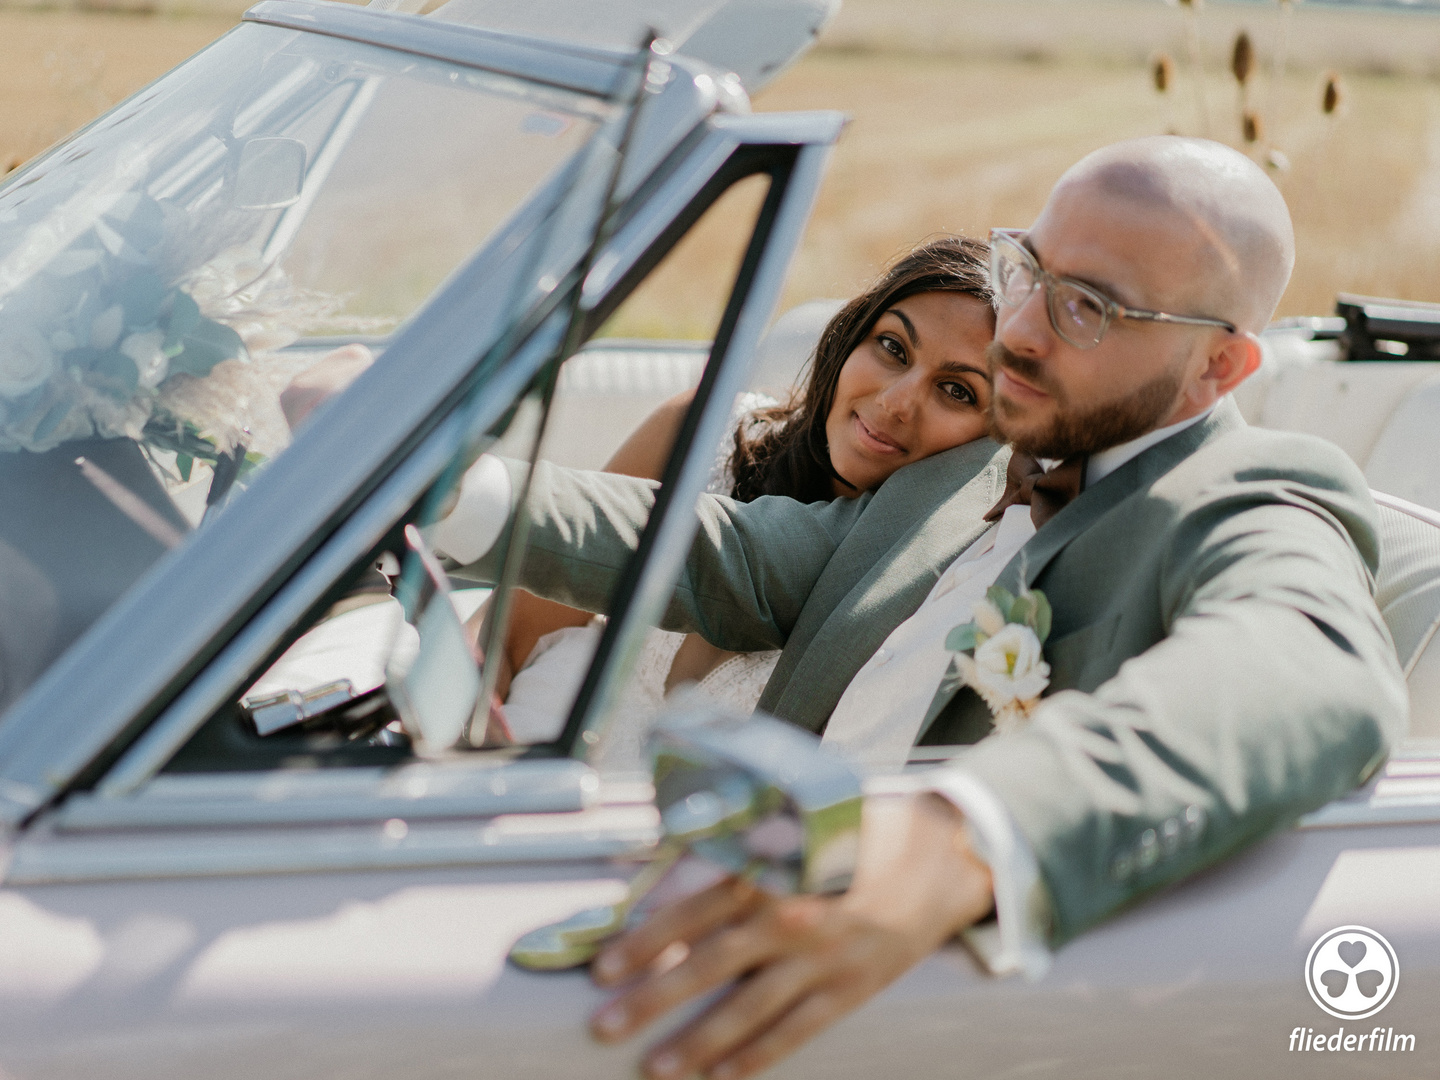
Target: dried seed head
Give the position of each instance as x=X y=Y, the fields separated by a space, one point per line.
x=1251 y=127
x=1242 y=58
x=1333 y=95
x=1162 y=70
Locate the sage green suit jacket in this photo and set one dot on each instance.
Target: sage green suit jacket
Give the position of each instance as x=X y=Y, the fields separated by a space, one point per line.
x=1218 y=666
x=824 y=582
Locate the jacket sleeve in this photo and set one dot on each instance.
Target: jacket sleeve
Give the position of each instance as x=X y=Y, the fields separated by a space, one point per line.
x=749 y=571
x=1274 y=690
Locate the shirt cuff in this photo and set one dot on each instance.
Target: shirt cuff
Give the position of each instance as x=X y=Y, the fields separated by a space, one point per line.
x=479 y=515
x=1016 y=940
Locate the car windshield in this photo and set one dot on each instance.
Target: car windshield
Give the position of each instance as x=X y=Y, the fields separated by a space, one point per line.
x=183 y=281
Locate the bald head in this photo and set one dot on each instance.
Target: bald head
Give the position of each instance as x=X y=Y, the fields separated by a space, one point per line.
x=1234 y=224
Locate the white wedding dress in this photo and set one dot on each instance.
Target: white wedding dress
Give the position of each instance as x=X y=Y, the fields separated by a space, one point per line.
x=544 y=688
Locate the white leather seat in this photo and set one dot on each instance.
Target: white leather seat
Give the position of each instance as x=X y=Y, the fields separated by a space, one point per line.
x=1405 y=460
x=1407 y=590
x=611 y=385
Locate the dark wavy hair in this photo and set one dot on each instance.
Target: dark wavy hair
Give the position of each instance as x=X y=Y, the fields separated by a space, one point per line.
x=791 y=454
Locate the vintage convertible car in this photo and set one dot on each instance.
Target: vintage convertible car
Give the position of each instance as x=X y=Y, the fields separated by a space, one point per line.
x=248 y=823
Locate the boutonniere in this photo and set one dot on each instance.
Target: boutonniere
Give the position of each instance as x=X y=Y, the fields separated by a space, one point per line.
x=998 y=653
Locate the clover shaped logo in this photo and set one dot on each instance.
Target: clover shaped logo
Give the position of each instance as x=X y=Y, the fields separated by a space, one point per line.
x=1352 y=972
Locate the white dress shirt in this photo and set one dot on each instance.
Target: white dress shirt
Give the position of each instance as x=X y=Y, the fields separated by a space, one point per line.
x=880 y=713
x=877 y=719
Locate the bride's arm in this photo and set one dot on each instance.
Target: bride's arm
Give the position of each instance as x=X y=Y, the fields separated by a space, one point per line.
x=643 y=454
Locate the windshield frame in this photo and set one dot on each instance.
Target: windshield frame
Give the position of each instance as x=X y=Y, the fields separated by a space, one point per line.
x=112 y=682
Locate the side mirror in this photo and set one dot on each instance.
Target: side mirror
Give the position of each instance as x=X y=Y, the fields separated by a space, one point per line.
x=754 y=794
x=757 y=795
x=269 y=173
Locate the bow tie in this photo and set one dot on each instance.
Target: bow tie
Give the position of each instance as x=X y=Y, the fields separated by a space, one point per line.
x=1046 y=493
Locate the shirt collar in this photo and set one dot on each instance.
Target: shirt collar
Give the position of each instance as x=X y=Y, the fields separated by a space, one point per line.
x=1107 y=461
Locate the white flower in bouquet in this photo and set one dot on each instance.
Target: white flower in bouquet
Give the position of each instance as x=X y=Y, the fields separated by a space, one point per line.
x=26 y=361
x=146 y=348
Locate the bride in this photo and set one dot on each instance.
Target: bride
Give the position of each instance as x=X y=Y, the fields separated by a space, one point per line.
x=898 y=374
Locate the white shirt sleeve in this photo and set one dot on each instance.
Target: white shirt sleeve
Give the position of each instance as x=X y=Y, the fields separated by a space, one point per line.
x=1016 y=941
x=480 y=513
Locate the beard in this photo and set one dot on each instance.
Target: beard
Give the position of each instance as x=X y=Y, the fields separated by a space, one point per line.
x=1076 y=431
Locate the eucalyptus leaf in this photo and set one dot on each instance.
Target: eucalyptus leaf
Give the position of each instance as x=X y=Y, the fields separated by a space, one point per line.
x=115 y=374
x=1042 y=621
x=184 y=317
x=1023 y=610
x=962 y=638
x=142 y=297
x=208 y=344
x=184 y=463
x=1002 y=598
x=51 y=420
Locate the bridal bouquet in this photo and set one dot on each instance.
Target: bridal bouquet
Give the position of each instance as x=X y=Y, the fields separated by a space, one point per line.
x=999 y=654
x=129 y=322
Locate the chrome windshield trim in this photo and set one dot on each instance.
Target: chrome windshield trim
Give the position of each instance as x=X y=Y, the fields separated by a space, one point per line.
x=585 y=69
x=45 y=857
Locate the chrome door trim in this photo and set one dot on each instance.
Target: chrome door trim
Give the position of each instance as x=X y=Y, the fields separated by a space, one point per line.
x=591 y=70
x=472 y=786
x=1406 y=791
x=43 y=856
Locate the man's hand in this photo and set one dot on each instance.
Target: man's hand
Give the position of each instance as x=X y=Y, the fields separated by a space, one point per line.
x=802 y=962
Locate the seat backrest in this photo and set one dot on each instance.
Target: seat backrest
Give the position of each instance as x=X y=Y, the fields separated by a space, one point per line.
x=1407 y=591
x=1405 y=460
x=1349 y=404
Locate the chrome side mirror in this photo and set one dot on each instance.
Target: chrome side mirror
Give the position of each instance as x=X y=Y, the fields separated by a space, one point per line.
x=757 y=795
x=752 y=794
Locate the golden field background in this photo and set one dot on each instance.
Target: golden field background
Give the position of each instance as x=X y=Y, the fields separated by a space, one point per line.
x=963 y=114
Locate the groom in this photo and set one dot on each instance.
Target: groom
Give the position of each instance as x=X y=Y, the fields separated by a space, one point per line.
x=1217 y=665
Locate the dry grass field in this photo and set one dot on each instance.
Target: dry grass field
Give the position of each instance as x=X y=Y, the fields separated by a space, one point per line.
x=963 y=114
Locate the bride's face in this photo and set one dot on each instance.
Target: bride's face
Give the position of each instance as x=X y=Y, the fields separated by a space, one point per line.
x=915 y=386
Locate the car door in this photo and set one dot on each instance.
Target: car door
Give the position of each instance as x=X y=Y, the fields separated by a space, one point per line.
x=186 y=896
x=1209 y=978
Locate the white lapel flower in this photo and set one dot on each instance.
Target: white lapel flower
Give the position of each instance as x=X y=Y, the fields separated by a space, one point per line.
x=999 y=654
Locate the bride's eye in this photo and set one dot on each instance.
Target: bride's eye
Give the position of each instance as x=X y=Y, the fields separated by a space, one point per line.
x=960 y=392
x=893 y=345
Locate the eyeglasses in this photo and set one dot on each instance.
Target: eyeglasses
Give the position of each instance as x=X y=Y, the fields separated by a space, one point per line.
x=1079 y=314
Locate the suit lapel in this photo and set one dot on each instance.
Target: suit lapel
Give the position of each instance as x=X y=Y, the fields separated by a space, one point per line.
x=914 y=529
x=1089 y=506
x=1095 y=502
